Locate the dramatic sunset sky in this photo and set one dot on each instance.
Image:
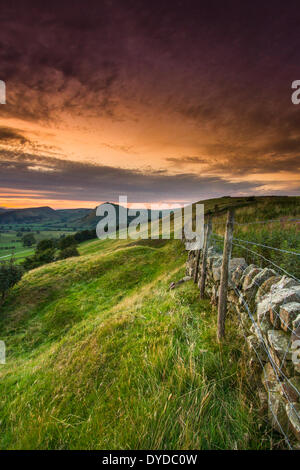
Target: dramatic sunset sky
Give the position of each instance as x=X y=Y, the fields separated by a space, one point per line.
x=165 y=101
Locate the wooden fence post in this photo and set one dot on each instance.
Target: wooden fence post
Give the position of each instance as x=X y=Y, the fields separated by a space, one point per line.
x=204 y=257
x=222 y=306
x=197 y=267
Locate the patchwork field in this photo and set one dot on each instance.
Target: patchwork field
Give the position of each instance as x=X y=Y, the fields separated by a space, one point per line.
x=11 y=244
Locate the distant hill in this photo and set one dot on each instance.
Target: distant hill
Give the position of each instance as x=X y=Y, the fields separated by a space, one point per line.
x=91 y=219
x=67 y=215
x=34 y=214
x=40 y=215
x=82 y=218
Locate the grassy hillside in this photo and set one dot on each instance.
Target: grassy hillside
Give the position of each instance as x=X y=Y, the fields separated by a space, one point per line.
x=102 y=355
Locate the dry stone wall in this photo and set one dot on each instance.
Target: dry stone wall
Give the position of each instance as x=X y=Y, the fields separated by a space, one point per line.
x=267 y=306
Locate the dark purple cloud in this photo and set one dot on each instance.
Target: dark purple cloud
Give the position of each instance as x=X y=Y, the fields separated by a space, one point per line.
x=226 y=67
x=68 y=180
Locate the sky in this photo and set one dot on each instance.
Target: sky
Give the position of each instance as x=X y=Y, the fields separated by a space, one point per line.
x=162 y=101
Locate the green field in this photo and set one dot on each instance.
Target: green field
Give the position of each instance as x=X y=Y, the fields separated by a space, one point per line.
x=11 y=245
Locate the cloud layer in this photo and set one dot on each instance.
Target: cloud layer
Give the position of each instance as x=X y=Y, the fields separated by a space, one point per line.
x=173 y=99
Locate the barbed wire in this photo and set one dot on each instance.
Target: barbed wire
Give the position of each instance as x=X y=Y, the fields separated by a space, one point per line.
x=267 y=386
x=270 y=221
x=278 y=363
x=272 y=362
x=268 y=260
x=273 y=307
x=266 y=246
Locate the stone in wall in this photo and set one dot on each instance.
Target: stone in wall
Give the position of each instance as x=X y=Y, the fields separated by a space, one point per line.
x=272 y=298
x=214 y=260
x=285 y=283
x=236 y=264
x=295 y=347
x=256 y=348
x=211 y=250
x=293 y=413
x=288 y=313
x=268 y=378
x=246 y=272
x=266 y=287
x=249 y=277
x=270 y=304
x=237 y=275
x=276 y=405
x=214 y=295
x=290 y=389
x=216 y=273
x=256 y=282
x=277 y=412
x=282 y=297
x=279 y=342
x=296 y=322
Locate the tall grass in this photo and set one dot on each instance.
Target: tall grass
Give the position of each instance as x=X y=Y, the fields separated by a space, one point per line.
x=101 y=355
x=281 y=234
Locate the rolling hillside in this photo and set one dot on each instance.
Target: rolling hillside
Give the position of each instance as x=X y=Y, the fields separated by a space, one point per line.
x=102 y=355
x=34 y=214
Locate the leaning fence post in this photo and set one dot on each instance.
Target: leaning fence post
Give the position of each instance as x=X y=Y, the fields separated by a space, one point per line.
x=197 y=266
x=204 y=257
x=222 y=306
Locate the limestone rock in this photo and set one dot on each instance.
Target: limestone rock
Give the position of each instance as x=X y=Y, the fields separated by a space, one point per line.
x=265 y=325
x=248 y=277
x=277 y=412
x=237 y=262
x=236 y=265
x=265 y=288
x=246 y=272
x=214 y=295
x=284 y=283
x=214 y=260
x=279 y=342
x=268 y=378
x=256 y=282
x=181 y=281
x=211 y=251
x=296 y=322
x=288 y=313
x=282 y=297
x=290 y=389
x=237 y=275
x=256 y=347
x=295 y=348
x=216 y=272
x=263 y=309
x=274 y=300
x=293 y=415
